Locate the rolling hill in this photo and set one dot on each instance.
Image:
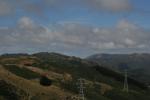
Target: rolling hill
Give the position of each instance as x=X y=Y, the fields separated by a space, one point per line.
x=138 y=65
x=21 y=76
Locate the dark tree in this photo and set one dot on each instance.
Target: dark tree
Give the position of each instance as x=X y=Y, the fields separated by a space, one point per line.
x=45 y=81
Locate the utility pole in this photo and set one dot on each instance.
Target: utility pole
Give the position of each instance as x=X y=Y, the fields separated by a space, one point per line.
x=81 y=83
x=126 y=87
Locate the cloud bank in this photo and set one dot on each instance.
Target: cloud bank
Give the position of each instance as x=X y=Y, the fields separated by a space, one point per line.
x=111 y=5
x=30 y=37
x=8 y=7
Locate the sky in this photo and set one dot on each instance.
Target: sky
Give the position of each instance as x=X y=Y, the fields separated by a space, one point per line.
x=75 y=27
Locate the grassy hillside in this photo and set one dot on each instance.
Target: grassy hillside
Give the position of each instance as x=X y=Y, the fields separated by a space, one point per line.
x=25 y=71
x=137 y=64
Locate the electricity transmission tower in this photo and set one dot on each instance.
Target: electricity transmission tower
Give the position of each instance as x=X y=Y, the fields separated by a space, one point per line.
x=81 y=83
x=126 y=87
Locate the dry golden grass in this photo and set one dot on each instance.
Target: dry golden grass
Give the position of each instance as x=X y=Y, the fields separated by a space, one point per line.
x=105 y=88
x=48 y=73
x=33 y=88
x=102 y=86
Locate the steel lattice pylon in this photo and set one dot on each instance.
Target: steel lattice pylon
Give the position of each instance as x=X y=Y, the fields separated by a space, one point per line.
x=126 y=87
x=81 y=83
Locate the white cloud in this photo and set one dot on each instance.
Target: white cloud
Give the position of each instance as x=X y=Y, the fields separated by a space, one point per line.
x=26 y=22
x=124 y=24
x=129 y=42
x=111 y=5
x=107 y=5
x=8 y=7
x=5 y=8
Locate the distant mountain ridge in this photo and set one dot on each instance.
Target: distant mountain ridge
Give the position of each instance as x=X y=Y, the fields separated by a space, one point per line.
x=138 y=64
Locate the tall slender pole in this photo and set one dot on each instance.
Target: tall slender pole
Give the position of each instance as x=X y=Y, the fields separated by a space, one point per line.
x=126 y=87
